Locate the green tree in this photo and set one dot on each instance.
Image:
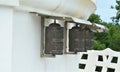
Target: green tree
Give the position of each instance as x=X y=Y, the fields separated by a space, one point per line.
x=100 y=38
x=98 y=45
x=116 y=18
x=114 y=33
x=109 y=39
x=94 y=18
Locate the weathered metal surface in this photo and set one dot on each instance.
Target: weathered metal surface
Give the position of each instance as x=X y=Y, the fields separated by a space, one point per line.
x=89 y=39
x=54 y=39
x=76 y=39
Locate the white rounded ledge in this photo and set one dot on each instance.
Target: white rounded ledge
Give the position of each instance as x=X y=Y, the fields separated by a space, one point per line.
x=74 y=8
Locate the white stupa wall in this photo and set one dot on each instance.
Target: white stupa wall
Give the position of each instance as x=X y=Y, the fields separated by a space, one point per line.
x=6 y=37
x=20 y=44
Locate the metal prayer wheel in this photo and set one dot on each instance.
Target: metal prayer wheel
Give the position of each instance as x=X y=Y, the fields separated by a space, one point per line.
x=89 y=39
x=54 y=39
x=76 y=39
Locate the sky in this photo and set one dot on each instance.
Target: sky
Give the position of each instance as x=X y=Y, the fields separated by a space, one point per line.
x=104 y=9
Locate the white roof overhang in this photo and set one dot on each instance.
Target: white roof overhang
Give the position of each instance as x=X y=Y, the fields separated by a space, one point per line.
x=77 y=11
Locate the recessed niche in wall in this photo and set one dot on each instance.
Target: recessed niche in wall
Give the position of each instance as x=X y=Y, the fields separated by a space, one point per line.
x=59 y=36
x=79 y=37
x=52 y=37
x=76 y=39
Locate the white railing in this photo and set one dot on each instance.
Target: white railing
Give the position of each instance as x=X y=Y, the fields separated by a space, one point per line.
x=100 y=61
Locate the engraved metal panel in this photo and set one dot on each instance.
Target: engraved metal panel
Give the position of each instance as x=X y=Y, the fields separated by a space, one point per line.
x=76 y=39
x=89 y=39
x=54 y=39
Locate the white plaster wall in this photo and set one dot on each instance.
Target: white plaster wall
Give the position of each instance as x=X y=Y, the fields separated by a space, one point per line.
x=26 y=48
x=26 y=43
x=6 y=15
x=9 y=2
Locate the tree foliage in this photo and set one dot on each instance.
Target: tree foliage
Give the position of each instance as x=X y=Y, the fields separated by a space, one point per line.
x=109 y=39
x=94 y=18
x=116 y=18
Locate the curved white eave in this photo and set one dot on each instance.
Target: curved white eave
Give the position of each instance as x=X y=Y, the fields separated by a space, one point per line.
x=77 y=10
x=72 y=8
x=9 y=3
